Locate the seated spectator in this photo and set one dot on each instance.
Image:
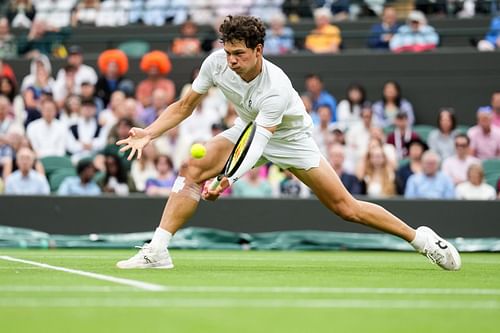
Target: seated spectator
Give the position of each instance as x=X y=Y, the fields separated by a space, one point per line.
x=319 y=96
x=377 y=141
x=84 y=73
x=43 y=38
x=85 y=138
x=87 y=92
x=26 y=181
x=279 y=38
x=157 y=12
x=291 y=187
x=495 y=105
x=85 y=13
x=415 y=36
x=382 y=33
x=485 y=138
x=357 y=138
x=17 y=141
x=492 y=39
x=252 y=185
x=64 y=85
x=8 y=46
x=84 y=183
x=475 y=188
x=442 y=139
x=57 y=12
x=6 y=124
x=378 y=175
x=114 y=112
x=402 y=135
x=322 y=131
x=115 y=180
x=47 y=135
x=266 y=10
x=70 y=112
x=6 y=71
x=430 y=183
x=416 y=149
x=198 y=126
x=295 y=10
x=113 y=13
x=336 y=157
x=187 y=44
x=392 y=103
x=159 y=104
x=456 y=166
x=325 y=38
x=144 y=169
x=113 y=65
x=161 y=184
x=230 y=7
x=21 y=13
x=349 y=109
x=156 y=65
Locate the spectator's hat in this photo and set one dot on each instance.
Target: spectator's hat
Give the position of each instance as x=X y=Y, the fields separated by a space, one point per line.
x=156 y=58
x=75 y=49
x=417 y=141
x=417 y=16
x=484 y=109
x=83 y=164
x=114 y=55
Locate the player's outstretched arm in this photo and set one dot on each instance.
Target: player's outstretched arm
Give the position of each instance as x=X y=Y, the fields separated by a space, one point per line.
x=171 y=117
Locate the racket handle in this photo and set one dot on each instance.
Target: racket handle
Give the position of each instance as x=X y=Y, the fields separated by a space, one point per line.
x=214 y=184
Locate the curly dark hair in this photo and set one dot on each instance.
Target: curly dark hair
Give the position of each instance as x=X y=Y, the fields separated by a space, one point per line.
x=249 y=29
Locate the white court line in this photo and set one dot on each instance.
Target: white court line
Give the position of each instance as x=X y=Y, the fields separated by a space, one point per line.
x=246 y=303
x=128 y=282
x=255 y=290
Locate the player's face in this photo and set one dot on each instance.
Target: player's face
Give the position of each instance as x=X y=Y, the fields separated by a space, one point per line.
x=242 y=59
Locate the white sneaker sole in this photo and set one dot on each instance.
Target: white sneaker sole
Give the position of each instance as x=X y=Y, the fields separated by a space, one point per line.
x=455 y=256
x=145 y=266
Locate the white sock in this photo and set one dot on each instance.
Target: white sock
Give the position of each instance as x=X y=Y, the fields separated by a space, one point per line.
x=161 y=239
x=419 y=242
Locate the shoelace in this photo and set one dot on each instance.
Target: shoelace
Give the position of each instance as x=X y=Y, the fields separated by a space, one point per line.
x=434 y=256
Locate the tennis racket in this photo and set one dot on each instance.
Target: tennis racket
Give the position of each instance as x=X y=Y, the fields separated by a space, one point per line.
x=237 y=155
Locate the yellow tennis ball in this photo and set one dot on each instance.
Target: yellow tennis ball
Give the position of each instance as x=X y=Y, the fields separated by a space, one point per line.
x=198 y=150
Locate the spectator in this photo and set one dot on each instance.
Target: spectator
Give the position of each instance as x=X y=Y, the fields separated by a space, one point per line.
x=430 y=183
x=377 y=142
x=296 y=10
x=187 y=44
x=21 y=13
x=492 y=39
x=86 y=137
x=322 y=131
x=266 y=10
x=84 y=73
x=291 y=187
x=441 y=139
x=392 y=102
x=113 y=65
x=378 y=175
x=84 y=183
x=152 y=112
x=485 y=138
x=87 y=92
x=319 y=96
x=416 y=149
x=456 y=166
x=6 y=125
x=57 y=12
x=71 y=111
x=495 y=105
x=6 y=71
x=113 y=13
x=8 y=88
x=47 y=135
x=325 y=38
x=85 y=13
x=198 y=126
x=415 y=36
x=43 y=38
x=252 y=185
x=144 y=169
x=230 y=7
x=164 y=180
x=156 y=65
x=475 y=188
x=8 y=46
x=211 y=40
x=279 y=38
x=402 y=135
x=64 y=85
x=357 y=138
x=336 y=156
x=157 y=12
x=17 y=141
x=116 y=179
x=382 y=33
x=349 y=109
x=26 y=181
x=110 y=116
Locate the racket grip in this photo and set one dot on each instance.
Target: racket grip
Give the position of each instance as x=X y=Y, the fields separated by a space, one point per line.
x=214 y=184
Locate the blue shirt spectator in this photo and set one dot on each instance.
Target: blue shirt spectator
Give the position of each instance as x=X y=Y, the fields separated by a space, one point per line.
x=84 y=183
x=492 y=39
x=26 y=181
x=279 y=39
x=431 y=183
x=415 y=36
x=319 y=97
x=382 y=33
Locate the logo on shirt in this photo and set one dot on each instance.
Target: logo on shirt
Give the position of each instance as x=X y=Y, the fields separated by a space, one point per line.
x=250 y=103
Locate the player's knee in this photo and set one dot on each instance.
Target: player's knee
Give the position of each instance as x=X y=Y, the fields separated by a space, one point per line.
x=191 y=171
x=348 y=211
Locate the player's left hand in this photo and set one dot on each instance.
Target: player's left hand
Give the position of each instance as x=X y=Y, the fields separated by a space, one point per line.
x=210 y=195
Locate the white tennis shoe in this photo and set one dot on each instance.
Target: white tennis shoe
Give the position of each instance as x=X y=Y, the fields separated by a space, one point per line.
x=147 y=257
x=439 y=251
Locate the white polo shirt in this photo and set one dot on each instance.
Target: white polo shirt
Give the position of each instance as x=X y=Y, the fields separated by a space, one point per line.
x=269 y=99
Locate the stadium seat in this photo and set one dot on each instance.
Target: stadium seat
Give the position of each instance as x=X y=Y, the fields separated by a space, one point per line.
x=491 y=171
x=58 y=176
x=53 y=163
x=462 y=128
x=135 y=48
x=423 y=131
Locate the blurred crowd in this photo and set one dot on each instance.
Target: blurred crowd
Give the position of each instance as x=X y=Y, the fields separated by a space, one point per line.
x=58 y=133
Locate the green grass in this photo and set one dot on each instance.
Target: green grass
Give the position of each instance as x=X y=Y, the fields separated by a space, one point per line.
x=227 y=291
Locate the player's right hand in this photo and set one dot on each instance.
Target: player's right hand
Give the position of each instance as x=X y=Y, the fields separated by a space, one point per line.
x=138 y=138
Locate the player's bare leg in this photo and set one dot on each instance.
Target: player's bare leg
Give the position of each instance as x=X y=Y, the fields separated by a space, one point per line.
x=181 y=205
x=331 y=192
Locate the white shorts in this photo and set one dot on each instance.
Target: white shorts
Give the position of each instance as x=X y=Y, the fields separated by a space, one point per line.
x=299 y=152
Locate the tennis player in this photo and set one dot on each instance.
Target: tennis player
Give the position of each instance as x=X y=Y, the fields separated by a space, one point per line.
x=263 y=93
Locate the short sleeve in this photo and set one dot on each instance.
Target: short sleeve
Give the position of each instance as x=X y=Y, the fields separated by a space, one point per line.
x=272 y=109
x=204 y=80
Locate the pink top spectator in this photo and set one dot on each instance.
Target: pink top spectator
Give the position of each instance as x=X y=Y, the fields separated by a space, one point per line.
x=485 y=145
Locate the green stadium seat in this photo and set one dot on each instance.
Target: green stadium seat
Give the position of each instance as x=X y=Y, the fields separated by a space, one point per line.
x=135 y=48
x=423 y=131
x=54 y=163
x=58 y=176
x=491 y=171
x=462 y=128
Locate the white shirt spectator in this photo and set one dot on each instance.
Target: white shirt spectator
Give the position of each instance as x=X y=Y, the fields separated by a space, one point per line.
x=57 y=12
x=86 y=131
x=469 y=191
x=47 y=139
x=83 y=74
x=345 y=118
x=456 y=168
x=34 y=183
